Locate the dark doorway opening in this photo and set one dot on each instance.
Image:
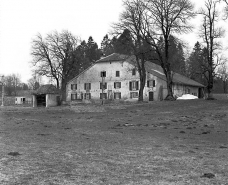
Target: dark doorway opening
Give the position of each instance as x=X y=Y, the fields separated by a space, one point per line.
x=151 y=96
x=200 y=93
x=41 y=100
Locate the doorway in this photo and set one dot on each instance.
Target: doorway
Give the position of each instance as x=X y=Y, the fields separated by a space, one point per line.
x=151 y=96
x=41 y=100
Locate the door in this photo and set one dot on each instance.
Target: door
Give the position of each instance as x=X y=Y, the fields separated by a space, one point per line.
x=151 y=96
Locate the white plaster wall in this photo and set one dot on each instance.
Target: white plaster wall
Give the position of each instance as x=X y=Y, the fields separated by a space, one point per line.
x=92 y=76
x=179 y=90
x=51 y=100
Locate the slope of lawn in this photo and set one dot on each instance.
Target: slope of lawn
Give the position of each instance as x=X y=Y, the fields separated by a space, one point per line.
x=181 y=142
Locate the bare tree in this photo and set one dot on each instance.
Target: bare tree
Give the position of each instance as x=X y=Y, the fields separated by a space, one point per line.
x=222 y=73
x=131 y=19
x=210 y=33
x=162 y=19
x=53 y=57
x=12 y=84
x=226 y=8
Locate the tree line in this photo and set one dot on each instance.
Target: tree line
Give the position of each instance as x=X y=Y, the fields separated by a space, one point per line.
x=148 y=30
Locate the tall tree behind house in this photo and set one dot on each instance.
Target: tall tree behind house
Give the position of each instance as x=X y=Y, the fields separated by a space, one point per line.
x=196 y=62
x=177 y=59
x=211 y=32
x=86 y=54
x=124 y=43
x=107 y=45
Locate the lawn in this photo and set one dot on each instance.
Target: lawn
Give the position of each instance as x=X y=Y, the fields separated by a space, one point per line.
x=180 y=142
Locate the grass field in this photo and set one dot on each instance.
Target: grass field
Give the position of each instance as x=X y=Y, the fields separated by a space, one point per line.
x=180 y=142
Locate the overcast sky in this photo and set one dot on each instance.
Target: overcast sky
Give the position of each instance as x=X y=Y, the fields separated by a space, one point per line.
x=21 y=20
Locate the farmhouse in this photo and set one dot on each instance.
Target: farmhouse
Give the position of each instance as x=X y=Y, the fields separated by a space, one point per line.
x=115 y=77
x=47 y=96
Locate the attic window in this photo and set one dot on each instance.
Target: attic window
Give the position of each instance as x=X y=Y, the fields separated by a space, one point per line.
x=133 y=71
x=103 y=73
x=117 y=73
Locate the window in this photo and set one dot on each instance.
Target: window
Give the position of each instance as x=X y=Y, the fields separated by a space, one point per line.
x=134 y=85
x=134 y=95
x=87 y=86
x=73 y=96
x=104 y=85
x=117 y=85
x=134 y=71
x=187 y=91
x=117 y=74
x=87 y=96
x=103 y=95
x=117 y=95
x=151 y=83
x=73 y=86
x=103 y=73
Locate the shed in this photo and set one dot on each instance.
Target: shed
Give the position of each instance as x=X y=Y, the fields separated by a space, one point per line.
x=47 y=95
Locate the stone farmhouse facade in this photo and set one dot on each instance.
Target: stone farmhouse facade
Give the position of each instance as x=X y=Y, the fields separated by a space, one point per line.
x=115 y=77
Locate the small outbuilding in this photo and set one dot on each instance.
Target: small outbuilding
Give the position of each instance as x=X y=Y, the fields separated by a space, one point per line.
x=47 y=96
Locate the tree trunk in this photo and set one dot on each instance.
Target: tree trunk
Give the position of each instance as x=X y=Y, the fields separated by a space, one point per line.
x=168 y=71
x=142 y=73
x=142 y=85
x=210 y=86
x=63 y=89
x=169 y=87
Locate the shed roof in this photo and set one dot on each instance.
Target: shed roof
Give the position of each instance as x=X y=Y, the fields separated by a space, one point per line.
x=157 y=70
x=46 y=89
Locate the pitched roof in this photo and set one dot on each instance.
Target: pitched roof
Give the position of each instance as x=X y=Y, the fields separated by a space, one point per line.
x=113 y=57
x=177 y=78
x=46 y=89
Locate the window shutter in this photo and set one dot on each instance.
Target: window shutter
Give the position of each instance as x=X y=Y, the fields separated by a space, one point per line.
x=130 y=86
x=100 y=85
x=76 y=86
x=71 y=86
x=153 y=83
x=85 y=86
x=89 y=86
x=105 y=85
x=120 y=96
x=148 y=83
x=114 y=85
x=120 y=84
x=137 y=85
x=89 y=95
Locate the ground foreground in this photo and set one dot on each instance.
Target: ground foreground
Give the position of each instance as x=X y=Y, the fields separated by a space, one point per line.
x=181 y=142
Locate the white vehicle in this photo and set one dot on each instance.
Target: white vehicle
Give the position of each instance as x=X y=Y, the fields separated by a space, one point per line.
x=187 y=97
